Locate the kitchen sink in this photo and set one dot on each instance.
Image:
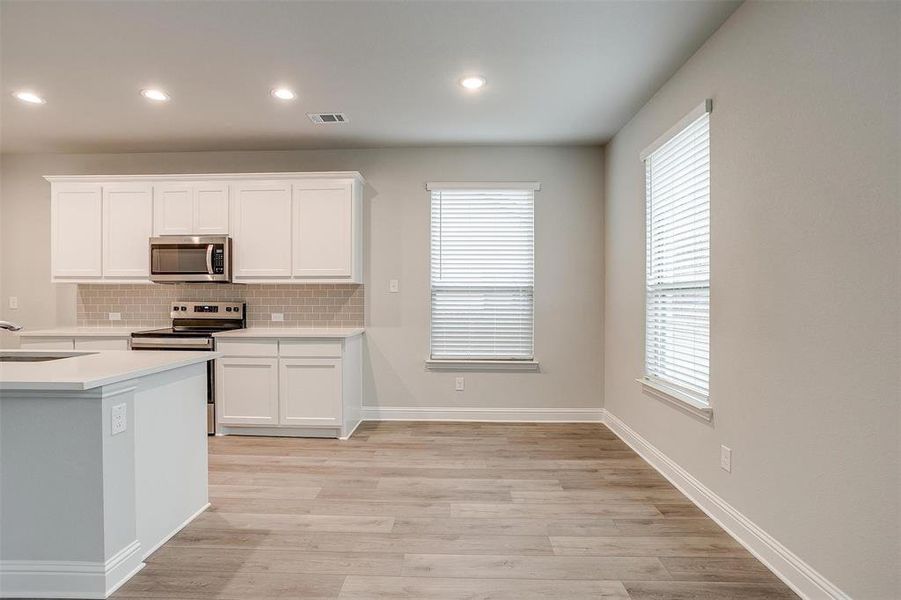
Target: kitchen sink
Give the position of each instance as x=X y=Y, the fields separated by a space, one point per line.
x=30 y=358
x=36 y=356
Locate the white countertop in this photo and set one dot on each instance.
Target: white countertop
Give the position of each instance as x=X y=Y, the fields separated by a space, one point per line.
x=291 y=332
x=81 y=332
x=87 y=370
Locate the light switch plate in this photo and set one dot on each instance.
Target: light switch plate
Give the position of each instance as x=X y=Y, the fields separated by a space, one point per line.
x=115 y=316
x=278 y=316
x=13 y=302
x=119 y=420
x=726 y=459
x=393 y=286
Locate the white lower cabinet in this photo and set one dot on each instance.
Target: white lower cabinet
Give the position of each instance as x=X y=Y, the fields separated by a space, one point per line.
x=309 y=391
x=95 y=343
x=289 y=387
x=247 y=391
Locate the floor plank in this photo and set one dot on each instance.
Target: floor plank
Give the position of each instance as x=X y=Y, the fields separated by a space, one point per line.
x=416 y=588
x=448 y=511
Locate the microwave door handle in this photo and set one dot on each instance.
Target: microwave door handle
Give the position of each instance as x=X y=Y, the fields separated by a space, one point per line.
x=209 y=259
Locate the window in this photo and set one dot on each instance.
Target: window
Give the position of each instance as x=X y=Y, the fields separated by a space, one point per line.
x=677 y=310
x=482 y=271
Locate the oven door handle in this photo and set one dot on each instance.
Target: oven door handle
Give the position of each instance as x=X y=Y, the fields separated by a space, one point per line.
x=209 y=259
x=171 y=343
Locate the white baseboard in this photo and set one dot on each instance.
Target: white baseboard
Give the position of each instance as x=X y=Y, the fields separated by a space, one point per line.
x=509 y=415
x=176 y=530
x=798 y=575
x=69 y=579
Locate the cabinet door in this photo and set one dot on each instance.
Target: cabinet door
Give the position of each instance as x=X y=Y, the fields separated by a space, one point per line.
x=101 y=343
x=39 y=343
x=262 y=230
x=247 y=391
x=76 y=238
x=310 y=391
x=173 y=209
x=323 y=227
x=127 y=227
x=210 y=208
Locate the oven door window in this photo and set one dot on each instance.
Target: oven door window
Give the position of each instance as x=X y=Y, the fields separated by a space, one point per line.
x=178 y=260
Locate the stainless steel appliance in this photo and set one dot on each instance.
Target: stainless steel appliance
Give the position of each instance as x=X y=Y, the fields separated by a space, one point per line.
x=193 y=326
x=197 y=258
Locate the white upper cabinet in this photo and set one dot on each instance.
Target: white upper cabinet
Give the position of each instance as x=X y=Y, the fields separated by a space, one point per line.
x=323 y=229
x=196 y=208
x=211 y=208
x=285 y=227
x=261 y=230
x=173 y=209
x=76 y=246
x=127 y=220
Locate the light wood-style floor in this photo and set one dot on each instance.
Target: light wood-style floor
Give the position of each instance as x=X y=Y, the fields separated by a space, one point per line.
x=472 y=511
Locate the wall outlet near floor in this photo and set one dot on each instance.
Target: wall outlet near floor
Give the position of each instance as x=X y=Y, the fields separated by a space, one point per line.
x=115 y=316
x=458 y=384
x=13 y=302
x=119 y=421
x=726 y=459
x=393 y=286
x=278 y=316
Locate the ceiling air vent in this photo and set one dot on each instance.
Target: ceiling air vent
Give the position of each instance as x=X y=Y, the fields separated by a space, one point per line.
x=328 y=118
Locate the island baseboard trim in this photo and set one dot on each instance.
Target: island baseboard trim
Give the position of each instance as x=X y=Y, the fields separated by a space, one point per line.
x=69 y=579
x=176 y=530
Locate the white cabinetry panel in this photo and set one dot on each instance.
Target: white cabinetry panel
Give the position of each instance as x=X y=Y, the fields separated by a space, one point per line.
x=76 y=247
x=310 y=391
x=247 y=391
x=323 y=228
x=262 y=230
x=173 y=209
x=210 y=208
x=127 y=227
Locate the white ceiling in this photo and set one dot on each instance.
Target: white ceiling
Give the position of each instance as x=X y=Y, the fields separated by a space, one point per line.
x=558 y=72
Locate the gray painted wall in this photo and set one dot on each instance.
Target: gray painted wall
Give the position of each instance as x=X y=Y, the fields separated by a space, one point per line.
x=804 y=283
x=569 y=259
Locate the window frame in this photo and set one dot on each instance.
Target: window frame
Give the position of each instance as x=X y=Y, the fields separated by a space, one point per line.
x=481 y=364
x=688 y=400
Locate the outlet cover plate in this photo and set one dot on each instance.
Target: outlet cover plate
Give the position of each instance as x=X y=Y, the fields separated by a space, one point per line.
x=726 y=458
x=119 y=418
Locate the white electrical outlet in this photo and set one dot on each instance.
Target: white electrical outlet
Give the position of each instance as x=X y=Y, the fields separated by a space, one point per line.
x=726 y=459
x=458 y=384
x=13 y=302
x=119 y=421
x=393 y=286
x=278 y=316
x=115 y=316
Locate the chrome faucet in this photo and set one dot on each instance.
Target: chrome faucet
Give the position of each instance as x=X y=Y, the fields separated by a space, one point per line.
x=7 y=325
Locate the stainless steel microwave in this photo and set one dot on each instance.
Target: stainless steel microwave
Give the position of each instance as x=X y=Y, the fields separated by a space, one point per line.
x=190 y=258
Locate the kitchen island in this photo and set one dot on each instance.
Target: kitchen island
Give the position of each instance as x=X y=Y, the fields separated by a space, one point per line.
x=103 y=457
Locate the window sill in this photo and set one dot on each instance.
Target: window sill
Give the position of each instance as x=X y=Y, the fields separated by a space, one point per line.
x=481 y=365
x=678 y=398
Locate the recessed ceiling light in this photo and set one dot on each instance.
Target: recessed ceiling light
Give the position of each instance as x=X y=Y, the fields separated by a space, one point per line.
x=283 y=94
x=155 y=95
x=473 y=83
x=29 y=97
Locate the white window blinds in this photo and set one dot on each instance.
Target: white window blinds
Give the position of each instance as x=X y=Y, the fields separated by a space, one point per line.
x=677 y=350
x=483 y=273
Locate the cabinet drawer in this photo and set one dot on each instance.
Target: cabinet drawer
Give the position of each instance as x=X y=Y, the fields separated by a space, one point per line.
x=101 y=343
x=46 y=343
x=248 y=347
x=310 y=349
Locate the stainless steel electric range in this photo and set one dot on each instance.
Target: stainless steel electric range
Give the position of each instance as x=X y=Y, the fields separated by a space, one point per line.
x=193 y=326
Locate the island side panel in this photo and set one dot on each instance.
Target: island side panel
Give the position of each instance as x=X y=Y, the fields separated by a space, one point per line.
x=170 y=453
x=51 y=477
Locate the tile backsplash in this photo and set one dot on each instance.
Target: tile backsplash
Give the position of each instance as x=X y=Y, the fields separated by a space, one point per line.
x=306 y=305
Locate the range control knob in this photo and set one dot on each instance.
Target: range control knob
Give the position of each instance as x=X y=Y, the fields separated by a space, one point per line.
x=228 y=309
